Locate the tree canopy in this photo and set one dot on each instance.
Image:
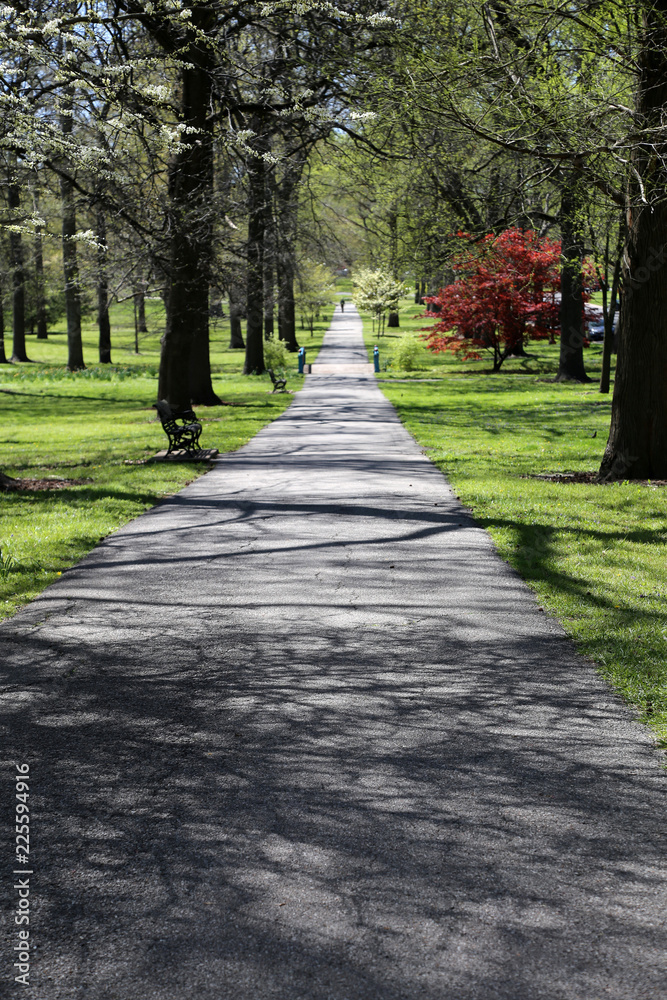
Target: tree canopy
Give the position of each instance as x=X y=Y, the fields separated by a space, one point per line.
x=207 y=150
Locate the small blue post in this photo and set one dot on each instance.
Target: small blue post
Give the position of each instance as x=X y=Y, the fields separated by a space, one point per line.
x=376 y=358
x=302 y=359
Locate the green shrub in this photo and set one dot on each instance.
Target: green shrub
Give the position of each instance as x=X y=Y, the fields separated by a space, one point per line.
x=408 y=353
x=275 y=355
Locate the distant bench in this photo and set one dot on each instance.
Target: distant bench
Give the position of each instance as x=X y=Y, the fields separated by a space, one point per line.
x=181 y=427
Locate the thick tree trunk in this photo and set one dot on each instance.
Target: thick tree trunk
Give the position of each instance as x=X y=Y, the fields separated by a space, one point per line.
x=70 y=259
x=254 y=356
x=185 y=371
x=201 y=386
x=103 y=321
x=40 y=305
x=286 y=202
x=571 y=360
x=269 y=262
x=3 y=355
x=637 y=445
x=18 y=282
x=268 y=300
x=393 y=320
x=71 y=271
x=286 y=305
x=609 y=312
x=236 y=340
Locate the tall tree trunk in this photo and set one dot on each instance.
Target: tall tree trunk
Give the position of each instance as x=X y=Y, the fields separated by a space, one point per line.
x=286 y=202
x=18 y=282
x=571 y=360
x=268 y=297
x=71 y=271
x=201 y=385
x=393 y=319
x=140 y=300
x=70 y=258
x=637 y=445
x=185 y=370
x=609 y=313
x=286 y=304
x=270 y=244
x=236 y=341
x=40 y=304
x=103 y=321
x=3 y=356
x=254 y=348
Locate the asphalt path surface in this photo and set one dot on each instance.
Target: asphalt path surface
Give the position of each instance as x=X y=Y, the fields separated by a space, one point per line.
x=298 y=732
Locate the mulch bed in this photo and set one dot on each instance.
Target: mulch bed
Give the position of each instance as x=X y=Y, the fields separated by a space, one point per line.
x=35 y=485
x=588 y=477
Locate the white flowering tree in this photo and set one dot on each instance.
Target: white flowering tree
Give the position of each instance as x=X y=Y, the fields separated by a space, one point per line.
x=377 y=292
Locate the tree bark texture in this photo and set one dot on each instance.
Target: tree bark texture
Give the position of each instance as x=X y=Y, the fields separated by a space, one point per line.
x=268 y=299
x=257 y=215
x=70 y=258
x=185 y=371
x=18 y=282
x=393 y=320
x=236 y=340
x=637 y=444
x=286 y=304
x=40 y=304
x=103 y=321
x=3 y=355
x=571 y=360
x=286 y=222
x=609 y=312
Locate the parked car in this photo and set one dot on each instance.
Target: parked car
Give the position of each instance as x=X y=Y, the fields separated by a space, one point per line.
x=596 y=329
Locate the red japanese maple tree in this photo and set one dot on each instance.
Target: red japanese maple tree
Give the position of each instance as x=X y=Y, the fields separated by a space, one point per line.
x=504 y=292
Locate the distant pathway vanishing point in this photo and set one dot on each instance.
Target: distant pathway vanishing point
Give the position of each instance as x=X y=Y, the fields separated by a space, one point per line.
x=299 y=733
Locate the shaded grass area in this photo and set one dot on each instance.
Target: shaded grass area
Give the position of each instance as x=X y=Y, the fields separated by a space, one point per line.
x=87 y=426
x=593 y=554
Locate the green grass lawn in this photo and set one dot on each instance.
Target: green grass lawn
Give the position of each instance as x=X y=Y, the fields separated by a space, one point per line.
x=89 y=425
x=593 y=554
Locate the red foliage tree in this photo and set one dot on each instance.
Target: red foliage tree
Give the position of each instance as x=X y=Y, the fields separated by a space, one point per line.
x=504 y=292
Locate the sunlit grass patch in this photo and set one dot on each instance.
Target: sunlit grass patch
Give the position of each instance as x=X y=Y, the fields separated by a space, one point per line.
x=60 y=425
x=594 y=554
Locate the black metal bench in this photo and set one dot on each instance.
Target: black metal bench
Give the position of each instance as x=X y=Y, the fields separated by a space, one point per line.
x=278 y=383
x=181 y=427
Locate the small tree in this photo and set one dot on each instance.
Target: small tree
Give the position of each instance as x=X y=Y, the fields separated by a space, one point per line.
x=504 y=292
x=314 y=289
x=377 y=292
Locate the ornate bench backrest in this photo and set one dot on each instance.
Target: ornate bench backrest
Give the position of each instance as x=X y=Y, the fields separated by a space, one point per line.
x=166 y=416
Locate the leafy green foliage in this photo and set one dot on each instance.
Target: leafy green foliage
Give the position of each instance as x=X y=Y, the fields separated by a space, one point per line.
x=275 y=354
x=314 y=287
x=409 y=352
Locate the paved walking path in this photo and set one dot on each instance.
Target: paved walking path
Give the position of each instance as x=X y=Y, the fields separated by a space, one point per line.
x=298 y=733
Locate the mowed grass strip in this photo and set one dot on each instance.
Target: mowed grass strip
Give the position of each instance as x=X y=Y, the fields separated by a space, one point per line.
x=593 y=554
x=85 y=426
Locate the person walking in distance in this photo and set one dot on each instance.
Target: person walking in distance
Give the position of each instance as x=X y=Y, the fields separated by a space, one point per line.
x=342 y=305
